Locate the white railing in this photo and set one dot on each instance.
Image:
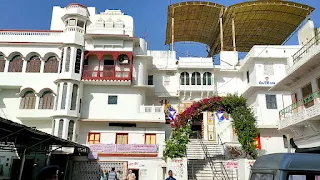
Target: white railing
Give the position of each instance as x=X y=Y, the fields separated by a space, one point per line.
x=151 y=109
x=29 y=33
x=76 y=29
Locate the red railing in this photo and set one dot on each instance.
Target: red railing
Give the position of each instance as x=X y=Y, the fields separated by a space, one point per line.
x=105 y=73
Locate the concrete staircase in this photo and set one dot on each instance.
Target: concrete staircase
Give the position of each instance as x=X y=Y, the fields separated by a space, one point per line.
x=201 y=170
x=195 y=150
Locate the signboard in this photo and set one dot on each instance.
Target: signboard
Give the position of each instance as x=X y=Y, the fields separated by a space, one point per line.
x=232 y=165
x=124 y=148
x=267 y=82
x=211 y=127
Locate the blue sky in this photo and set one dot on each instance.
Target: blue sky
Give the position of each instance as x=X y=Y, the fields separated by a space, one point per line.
x=150 y=17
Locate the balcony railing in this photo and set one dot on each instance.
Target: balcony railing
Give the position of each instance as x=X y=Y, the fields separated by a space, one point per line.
x=107 y=73
x=151 y=109
x=306 y=102
x=305 y=49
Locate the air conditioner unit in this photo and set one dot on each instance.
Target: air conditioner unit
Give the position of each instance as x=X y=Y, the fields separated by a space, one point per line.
x=123 y=60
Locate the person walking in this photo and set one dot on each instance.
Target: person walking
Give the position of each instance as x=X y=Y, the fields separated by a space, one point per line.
x=170 y=176
x=113 y=175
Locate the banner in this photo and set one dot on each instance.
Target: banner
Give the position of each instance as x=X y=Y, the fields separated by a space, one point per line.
x=124 y=148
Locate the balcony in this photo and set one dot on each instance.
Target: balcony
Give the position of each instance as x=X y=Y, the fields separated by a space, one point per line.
x=129 y=150
x=108 y=73
x=303 y=110
x=154 y=113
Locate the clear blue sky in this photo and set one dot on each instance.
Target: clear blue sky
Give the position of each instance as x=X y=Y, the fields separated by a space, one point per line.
x=150 y=16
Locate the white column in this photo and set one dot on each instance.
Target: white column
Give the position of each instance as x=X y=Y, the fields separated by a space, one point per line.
x=75 y=131
x=205 y=126
x=42 y=65
x=69 y=95
x=60 y=95
x=65 y=128
x=56 y=127
x=72 y=59
x=24 y=65
x=6 y=67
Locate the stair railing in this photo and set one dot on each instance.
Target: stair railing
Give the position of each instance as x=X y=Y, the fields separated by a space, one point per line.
x=225 y=151
x=211 y=163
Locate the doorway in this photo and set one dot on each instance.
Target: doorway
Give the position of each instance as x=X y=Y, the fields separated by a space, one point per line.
x=136 y=172
x=27 y=169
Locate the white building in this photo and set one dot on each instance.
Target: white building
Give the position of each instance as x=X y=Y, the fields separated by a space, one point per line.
x=300 y=120
x=90 y=80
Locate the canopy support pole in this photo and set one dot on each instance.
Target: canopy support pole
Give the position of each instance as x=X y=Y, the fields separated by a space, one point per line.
x=221 y=33
x=234 y=35
x=172 y=30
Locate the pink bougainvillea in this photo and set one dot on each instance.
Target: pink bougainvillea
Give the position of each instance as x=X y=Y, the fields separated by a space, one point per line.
x=196 y=109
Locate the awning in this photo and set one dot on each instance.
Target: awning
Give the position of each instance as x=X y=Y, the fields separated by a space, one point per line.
x=21 y=137
x=260 y=22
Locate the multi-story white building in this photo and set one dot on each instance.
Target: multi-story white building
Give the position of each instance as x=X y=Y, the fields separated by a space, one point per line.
x=90 y=80
x=300 y=120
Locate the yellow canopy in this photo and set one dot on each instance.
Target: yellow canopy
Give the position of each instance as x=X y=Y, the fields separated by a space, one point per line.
x=263 y=22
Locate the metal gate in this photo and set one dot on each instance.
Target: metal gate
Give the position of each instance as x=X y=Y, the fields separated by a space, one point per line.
x=85 y=170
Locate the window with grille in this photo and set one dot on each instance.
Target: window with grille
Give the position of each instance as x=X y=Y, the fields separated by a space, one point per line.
x=196 y=78
x=64 y=96
x=61 y=60
x=268 y=69
x=46 y=100
x=28 y=100
x=150 y=139
x=51 y=65
x=271 y=101
x=74 y=97
x=207 y=78
x=78 y=61
x=113 y=100
x=70 y=130
x=33 y=64
x=184 y=78
x=68 y=55
x=2 y=63
x=94 y=138
x=60 y=128
x=166 y=80
x=16 y=64
x=121 y=138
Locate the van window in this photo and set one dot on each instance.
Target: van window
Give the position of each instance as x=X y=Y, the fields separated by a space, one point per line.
x=304 y=176
x=261 y=176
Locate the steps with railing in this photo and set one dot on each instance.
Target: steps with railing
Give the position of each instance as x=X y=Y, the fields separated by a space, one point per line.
x=208 y=163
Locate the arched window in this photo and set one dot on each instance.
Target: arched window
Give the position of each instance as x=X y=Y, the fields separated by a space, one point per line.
x=207 y=78
x=70 y=130
x=60 y=128
x=16 y=63
x=57 y=99
x=61 y=60
x=51 y=65
x=196 y=78
x=184 y=78
x=46 y=100
x=74 y=97
x=64 y=96
x=2 y=63
x=78 y=61
x=34 y=64
x=67 y=67
x=28 y=100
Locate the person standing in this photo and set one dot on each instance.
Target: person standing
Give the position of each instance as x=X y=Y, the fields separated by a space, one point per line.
x=131 y=176
x=113 y=175
x=170 y=176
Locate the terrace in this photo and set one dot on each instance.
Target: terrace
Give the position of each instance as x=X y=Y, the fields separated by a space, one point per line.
x=107 y=66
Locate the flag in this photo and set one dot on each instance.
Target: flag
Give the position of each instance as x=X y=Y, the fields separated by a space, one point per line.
x=172 y=113
x=222 y=115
